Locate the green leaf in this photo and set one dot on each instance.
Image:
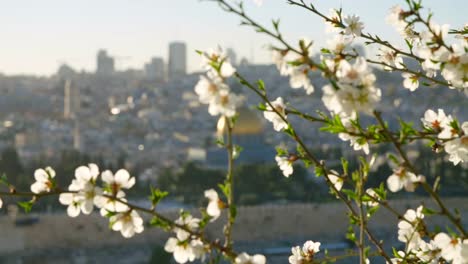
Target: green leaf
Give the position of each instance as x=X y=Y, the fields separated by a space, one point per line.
x=156 y=195
x=158 y=222
x=4 y=180
x=27 y=206
x=345 y=165
x=233 y=211
x=428 y=211
x=261 y=85
x=281 y=151
x=319 y=171
x=261 y=107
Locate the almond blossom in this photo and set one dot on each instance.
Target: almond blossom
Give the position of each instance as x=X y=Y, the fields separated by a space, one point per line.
x=128 y=223
x=305 y=254
x=73 y=200
x=121 y=180
x=299 y=78
x=452 y=248
x=356 y=142
x=225 y=103
x=279 y=59
x=396 y=18
x=391 y=58
x=458 y=148
x=402 y=178
x=258 y=2
x=185 y=251
x=354 y=26
x=113 y=197
x=339 y=44
x=277 y=120
x=285 y=165
x=208 y=88
x=331 y=26
x=44 y=180
x=191 y=223
x=408 y=228
x=214 y=205
x=373 y=196
x=436 y=121
x=337 y=181
x=245 y=258
x=411 y=81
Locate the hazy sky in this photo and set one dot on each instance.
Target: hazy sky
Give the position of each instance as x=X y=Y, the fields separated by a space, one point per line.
x=36 y=36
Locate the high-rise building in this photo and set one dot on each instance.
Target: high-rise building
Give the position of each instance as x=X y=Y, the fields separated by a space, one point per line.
x=177 y=60
x=154 y=70
x=232 y=56
x=71 y=100
x=105 y=63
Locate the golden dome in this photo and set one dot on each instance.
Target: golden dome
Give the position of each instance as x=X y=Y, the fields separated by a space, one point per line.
x=247 y=123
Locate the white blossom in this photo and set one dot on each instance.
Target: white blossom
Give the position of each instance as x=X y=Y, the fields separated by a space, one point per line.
x=83 y=191
x=185 y=251
x=304 y=254
x=258 y=2
x=354 y=74
x=1 y=203
x=354 y=26
x=285 y=165
x=209 y=87
x=279 y=59
x=191 y=223
x=219 y=57
x=408 y=228
x=455 y=69
x=428 y=252
x=411 y=81
x=128 y=223
x=44 y=182
x=402 y=178
x=299 y=78
x=451 y=247
x=213 y=209
x=332 y=26
x=395 y=18
x=371 y=193
x=391 y=58
x=121 y=180
x=436 y=121
x=339 y=44
x=356 y=142
x=270 y=115
x=225 y=103
x=337 y=181
x=349 y=100
x=296 y=257
x=86 y=174
x=245 y=258
x=458 y=148
x=80 y=198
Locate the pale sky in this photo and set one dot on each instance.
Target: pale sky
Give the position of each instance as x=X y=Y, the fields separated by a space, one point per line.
x=36 y=36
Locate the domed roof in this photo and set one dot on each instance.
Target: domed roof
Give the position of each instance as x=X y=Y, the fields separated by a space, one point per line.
x=247 y=123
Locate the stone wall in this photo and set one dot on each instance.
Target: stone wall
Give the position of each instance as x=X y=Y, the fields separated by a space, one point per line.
x=256 y=225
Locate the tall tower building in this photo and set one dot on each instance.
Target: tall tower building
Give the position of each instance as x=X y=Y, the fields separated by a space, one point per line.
x=232 y=56
x=177 y=60
x=154 y=70
x=71 y=100
x=104 y=63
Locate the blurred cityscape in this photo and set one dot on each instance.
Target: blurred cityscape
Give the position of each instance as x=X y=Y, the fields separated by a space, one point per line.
x=148 y=120
x=151 y=116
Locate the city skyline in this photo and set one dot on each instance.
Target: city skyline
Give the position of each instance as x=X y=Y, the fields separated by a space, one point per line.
x=38 y=39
